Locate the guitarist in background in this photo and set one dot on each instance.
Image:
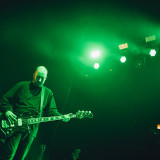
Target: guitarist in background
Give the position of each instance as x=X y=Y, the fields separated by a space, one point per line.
x=23 y=100
x=74 y=155
x=43 y=148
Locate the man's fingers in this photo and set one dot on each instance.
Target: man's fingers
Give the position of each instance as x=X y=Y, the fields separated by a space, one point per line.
x=11 y=121
x=12 y=114
x=66 y=118
x=14 y=117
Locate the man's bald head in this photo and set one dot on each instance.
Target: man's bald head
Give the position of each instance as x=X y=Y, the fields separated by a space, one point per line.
x=42 y=69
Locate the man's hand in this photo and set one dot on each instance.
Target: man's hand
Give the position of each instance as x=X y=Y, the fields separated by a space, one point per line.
x=66 y=118
x=11 y=117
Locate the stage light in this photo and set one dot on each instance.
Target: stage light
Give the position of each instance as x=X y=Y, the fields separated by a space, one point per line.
x=158 y=126
x=123 y=59
x=150 y=38
x=95 y=54
x=123 y=46
x=96 y=65
x=152 y=52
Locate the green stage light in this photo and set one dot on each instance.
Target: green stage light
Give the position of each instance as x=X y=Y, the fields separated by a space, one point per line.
x=123 y=59
x=152 y=52
x=95 y=54
x=96 y=65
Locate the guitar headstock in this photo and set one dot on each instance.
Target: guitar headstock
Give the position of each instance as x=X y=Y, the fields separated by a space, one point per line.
x=84 y=114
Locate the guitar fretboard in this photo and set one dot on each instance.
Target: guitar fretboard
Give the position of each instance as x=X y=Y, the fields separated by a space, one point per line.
x=47 y=119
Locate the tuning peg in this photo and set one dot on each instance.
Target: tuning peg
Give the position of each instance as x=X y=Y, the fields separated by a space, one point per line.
x=91 y=115
x=86 y=112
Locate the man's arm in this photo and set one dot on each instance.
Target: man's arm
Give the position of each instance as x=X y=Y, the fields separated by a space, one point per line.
x=52 y=107
x=6 y=103
x=53 y=111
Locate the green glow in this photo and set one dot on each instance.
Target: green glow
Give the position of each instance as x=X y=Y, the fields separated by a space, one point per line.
x=140 y=62
x=95 y=54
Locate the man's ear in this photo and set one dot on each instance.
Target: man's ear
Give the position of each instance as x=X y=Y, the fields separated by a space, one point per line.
x=33 y=75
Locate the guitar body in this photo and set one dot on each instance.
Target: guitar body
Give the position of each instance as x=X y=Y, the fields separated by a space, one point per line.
x=7 y=130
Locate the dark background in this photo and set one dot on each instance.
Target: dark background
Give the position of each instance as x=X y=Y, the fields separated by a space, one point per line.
x=124 y=98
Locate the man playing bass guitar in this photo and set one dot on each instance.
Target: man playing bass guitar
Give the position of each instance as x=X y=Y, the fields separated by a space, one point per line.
x=24 y=100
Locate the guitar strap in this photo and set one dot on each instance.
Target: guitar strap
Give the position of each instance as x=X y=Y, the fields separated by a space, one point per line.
x=42 y=99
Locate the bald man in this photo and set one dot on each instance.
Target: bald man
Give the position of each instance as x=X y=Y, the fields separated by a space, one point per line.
x=23 y=100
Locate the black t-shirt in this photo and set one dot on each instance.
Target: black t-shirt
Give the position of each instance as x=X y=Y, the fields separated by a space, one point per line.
x=24 y=99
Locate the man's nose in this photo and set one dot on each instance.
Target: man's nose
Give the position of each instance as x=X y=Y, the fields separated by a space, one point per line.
x=40 y=79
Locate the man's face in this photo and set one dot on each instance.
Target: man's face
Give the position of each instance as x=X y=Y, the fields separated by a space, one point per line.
x=39 y=78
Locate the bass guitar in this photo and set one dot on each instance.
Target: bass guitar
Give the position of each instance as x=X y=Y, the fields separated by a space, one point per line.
x=23 y=124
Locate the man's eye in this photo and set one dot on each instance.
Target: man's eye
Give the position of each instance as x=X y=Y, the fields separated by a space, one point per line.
x=40 y=77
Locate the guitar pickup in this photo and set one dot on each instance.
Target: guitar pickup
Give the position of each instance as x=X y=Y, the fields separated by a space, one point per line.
x=19 y=122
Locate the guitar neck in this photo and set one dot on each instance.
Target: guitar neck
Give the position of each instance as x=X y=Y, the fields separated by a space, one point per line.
x=47 y=119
